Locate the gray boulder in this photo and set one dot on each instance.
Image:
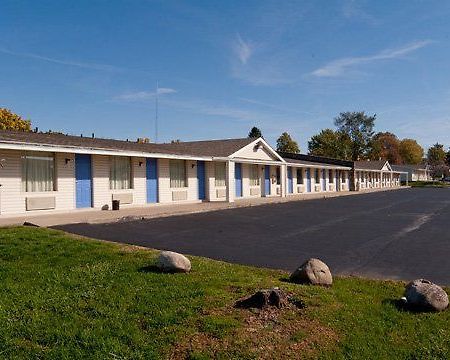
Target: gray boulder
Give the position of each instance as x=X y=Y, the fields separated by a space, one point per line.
x=173 y=262
x=314 y=272
x=423 y=295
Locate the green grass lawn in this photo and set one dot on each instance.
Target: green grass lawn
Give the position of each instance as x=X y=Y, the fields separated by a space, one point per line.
x=63 y=297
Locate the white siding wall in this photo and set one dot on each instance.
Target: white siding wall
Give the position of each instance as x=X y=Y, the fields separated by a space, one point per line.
x=211 y=183
x=246 y=181
x=165 y=192
x=12 y=198
x=102 y=194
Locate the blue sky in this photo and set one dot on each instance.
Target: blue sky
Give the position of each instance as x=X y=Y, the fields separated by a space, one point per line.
x=224 y=66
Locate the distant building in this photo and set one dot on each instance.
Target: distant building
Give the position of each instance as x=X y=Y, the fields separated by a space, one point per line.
x=413 y=172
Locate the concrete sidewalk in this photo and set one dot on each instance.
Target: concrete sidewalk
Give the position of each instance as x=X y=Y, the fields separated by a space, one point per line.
x=93 y=216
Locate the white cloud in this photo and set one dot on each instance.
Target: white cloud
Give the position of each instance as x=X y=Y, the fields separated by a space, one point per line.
x=352 y=9
x=145 y=95
x=85 y=65
x=242 y=49
x=264 y=67
x=338 y=67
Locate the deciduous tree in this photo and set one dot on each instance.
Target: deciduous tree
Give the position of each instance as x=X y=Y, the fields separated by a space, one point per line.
x=330 y=143
x=359 y=128
x=385 y=146
x=11 y=121
x=436 y=154
x=285 y=143
x=437 y=158
x=411 y=152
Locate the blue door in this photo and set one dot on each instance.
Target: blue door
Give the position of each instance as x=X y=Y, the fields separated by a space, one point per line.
x=83 y=180
x=266 y=180
x=238 y=179
x=201 y=180
x=337 y=176
x=290 y=181
x=324 y=180
x=152 y=180
x=308 y=180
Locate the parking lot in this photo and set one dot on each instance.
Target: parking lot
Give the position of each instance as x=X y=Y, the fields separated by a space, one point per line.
x=402 y=234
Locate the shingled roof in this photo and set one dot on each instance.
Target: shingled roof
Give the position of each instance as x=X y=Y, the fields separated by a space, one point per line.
x=370 y=165
x=209 y=148
x=312 y=159
x=213 y=148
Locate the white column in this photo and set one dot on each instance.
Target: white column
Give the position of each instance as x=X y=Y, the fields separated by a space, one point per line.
x=283 y=173
x=231 y=187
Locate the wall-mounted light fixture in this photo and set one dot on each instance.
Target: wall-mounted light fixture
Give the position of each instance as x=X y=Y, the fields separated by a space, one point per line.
x=67 y=160
x=192 y=165
x=141 y=163
x=2 y=162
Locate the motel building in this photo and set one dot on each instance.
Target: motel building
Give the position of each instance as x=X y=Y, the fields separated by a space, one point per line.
x=44 y=173
x=375 y=175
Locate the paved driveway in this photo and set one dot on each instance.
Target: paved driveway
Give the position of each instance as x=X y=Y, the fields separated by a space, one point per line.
x=401 y=234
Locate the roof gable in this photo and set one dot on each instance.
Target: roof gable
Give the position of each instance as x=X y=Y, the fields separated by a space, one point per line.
x=258 y=149
x=380 y=165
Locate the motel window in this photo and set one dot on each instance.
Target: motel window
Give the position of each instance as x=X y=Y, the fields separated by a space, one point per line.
x=254 y=175
x=38 y=172
x=330 y=175
x=278 y=176
x=317 y=176
x=178 y=174
x=220 y=173
x=120 y=173
x=299 y=176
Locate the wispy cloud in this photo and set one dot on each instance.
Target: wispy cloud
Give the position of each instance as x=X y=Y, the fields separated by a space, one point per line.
x=84 y=65
x=339 y=67
x=242 y=49
x=352 y=9
x=145 y=95
x=258 y=64
x=278 y=107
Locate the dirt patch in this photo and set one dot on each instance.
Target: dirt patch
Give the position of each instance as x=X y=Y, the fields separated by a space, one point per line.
x=269 y=333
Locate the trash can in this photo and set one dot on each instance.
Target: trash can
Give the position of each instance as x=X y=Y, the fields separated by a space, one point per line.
x=115 y=204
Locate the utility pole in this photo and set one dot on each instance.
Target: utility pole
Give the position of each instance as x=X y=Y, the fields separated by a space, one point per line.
x=156 y=112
